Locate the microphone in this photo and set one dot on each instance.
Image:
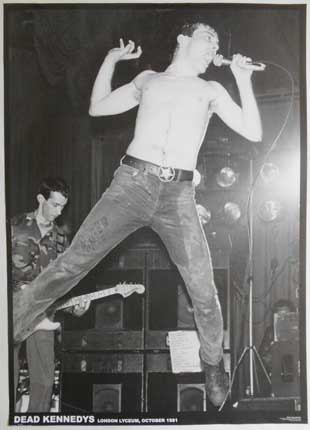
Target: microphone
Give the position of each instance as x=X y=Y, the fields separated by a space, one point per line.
x=219 y=61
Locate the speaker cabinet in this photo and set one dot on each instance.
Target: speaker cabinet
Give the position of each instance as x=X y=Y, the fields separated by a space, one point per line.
x=109 y=314
x=191 y=398
x=285 y=376
x=170 y=306
x=107 y=398
x=102 y=362
x=171 y=393
x=115 y=312
x=163 y=298
x=100 y=392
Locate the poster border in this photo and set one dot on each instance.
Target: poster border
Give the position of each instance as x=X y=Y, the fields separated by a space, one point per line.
x=305 y=262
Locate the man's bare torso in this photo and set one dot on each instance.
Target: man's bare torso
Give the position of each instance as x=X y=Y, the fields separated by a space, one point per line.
x=173 y=116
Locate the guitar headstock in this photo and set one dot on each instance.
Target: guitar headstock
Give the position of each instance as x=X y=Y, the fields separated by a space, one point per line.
x=126 y=289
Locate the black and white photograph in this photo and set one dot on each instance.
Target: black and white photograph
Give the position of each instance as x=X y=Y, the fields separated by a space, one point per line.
x=155 y=163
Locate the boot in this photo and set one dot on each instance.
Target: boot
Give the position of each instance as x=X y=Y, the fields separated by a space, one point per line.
x=216 y=383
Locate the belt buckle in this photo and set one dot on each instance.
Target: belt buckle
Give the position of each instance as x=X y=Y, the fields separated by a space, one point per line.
x=166 y=174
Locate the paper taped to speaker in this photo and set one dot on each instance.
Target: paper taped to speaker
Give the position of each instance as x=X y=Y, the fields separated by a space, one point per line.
x=184 y=351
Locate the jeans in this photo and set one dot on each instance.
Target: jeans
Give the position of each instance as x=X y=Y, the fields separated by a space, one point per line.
x=134 y=199
x=41 y=368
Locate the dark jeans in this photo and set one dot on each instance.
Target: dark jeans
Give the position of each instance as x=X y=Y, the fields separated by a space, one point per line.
x=41 y=368
x=134 y=199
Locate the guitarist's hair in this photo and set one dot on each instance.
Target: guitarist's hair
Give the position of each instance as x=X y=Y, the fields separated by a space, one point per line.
x=50 y=184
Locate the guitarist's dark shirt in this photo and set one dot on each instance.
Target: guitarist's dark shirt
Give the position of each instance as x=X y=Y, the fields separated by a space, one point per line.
x=32 y=252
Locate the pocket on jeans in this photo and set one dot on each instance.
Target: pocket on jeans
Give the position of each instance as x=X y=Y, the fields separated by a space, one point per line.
x=126 y=178
x=125 y=170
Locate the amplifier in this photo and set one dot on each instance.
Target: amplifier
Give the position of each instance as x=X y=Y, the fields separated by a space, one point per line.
x=102 y=363
x=286 y=327
x=169 y=393
x=107 y=398
x=285 y=376
x=158 y=363
x=110 y=340
x=156 y=339
x=191 y=398
x=101 y=392
x=101 y=340
x=79 y=362
x=287 y=404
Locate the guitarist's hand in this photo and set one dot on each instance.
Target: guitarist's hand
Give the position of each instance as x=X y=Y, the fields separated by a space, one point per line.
x=81 y=308
x=47 y=325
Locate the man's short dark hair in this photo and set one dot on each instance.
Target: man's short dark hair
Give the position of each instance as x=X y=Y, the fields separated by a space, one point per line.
x=50 y=184
x=188 y=29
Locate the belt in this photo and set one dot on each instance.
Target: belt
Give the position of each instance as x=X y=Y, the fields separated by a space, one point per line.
x=165 y=174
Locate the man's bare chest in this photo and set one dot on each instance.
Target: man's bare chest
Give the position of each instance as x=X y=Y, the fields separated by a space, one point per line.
x=178 y=93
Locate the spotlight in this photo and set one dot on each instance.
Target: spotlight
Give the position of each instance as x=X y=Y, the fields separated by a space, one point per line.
x=270 y=210
x=196 y=178
x=232 y=213
x=269 y=172
x=204 y=214
x=226 y=177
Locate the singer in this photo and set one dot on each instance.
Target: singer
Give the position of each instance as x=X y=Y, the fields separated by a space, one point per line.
x=153 y=185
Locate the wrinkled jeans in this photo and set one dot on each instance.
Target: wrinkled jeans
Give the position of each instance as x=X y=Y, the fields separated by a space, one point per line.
x=134 y=199
x=41 y=367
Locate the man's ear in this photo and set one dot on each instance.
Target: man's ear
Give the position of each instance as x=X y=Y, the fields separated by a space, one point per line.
x=40 y=198
x=181 y=39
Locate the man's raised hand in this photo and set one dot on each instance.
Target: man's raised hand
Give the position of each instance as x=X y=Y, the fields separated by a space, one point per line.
x=240 y=67
x=125 y=52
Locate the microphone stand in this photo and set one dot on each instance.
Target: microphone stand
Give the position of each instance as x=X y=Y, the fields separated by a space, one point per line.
x=250 y=348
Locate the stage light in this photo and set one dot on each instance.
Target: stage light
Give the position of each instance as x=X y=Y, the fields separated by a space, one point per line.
x=270 y=210
x=291 y=181
x=232 y=213
x=204 y=214
x=269 y=172
x=226 y=177
x=196 y=178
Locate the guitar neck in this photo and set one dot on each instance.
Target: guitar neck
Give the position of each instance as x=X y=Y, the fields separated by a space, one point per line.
x=88 y=297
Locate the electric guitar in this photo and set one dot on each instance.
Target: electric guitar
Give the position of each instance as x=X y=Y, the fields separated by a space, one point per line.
x=124 y=289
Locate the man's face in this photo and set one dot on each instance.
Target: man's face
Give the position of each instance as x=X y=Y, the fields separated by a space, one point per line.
x=202 y=48
x=52 y=207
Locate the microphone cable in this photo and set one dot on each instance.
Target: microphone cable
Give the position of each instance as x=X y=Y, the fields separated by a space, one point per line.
x=265 y=157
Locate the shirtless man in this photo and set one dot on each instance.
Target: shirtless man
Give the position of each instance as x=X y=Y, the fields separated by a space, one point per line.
x=153 y=185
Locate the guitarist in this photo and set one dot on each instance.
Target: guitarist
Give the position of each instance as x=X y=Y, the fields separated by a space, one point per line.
x=36 y=241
